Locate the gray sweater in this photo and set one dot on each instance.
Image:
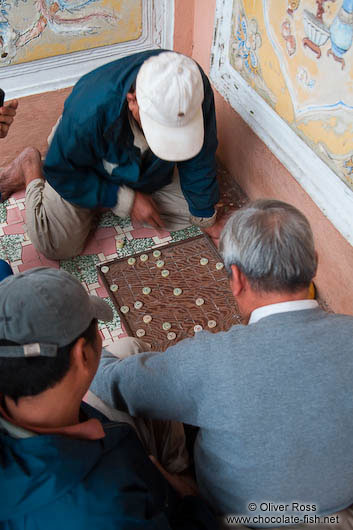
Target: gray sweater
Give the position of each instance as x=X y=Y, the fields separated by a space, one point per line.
x=274 y=403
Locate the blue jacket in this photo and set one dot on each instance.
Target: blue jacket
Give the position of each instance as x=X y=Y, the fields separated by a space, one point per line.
x=52 y=482
x=95 y=127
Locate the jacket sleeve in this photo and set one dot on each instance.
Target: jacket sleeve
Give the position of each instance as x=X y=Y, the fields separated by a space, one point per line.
x=198 y=175
x=169 y=385
x=74 y=164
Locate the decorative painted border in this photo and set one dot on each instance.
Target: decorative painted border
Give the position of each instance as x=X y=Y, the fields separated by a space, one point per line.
x=63 y=71
x=327 y=190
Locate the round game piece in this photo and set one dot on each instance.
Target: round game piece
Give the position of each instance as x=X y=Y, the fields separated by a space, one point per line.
x=212 y=323
x=156 y=253
x=197 y=328
x=171 y=335
x=146 y=290
x=166 y=326
x=199 y=301
x=177 y=291
x=147 y=319
x=131 y=261
x=203 y=261
x=120 y=243
x=138 y=304
x=113 y=287
x=160 y=263
x=140 y=332
x=104 y=269
x=165 y=273
x=219 y=265
x=143 y=257
x=124 y=309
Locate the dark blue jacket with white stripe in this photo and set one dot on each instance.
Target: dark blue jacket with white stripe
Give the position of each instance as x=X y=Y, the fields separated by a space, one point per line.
x=95 y=127
x=53 y=482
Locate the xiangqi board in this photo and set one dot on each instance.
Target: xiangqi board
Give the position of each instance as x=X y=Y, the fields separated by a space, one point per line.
x=167 y=294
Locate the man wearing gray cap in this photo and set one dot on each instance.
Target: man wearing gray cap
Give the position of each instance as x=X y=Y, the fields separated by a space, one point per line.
x=137 y=135
x=63 y=463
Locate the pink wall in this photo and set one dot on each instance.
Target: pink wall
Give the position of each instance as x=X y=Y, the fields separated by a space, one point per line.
x=246 y=157
x=260 y=174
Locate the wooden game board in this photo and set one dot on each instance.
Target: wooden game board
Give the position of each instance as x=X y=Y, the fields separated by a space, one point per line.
x=182 y=260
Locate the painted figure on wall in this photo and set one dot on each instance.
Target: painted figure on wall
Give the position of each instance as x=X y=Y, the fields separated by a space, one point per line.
x=23 y=22
x=302 y=68
x=341 y=32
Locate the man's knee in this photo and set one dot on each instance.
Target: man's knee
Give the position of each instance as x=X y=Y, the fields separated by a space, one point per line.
x=128 y=346
x=56 y=228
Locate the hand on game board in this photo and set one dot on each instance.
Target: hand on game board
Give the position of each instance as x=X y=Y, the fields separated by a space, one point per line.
x=145 y=210
x=7 y=115
x=215 y=230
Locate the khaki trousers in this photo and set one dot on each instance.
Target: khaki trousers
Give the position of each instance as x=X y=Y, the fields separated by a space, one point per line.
x=165 y=440
x=59 y=229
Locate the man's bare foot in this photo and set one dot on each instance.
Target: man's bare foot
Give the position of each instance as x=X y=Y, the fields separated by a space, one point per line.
x=26 y=167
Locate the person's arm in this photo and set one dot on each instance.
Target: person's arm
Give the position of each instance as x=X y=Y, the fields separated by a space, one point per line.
x=7 y=115
x=198 y=175
x=74 y=164
x=167 y=385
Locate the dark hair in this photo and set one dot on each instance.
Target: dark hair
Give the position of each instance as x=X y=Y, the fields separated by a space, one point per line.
x=21 y=377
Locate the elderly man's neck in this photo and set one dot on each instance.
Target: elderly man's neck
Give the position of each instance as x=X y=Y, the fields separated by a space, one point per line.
x=255 y=299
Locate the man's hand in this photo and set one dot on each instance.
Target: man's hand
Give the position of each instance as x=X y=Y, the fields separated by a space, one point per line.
x=145 y=210
x=182 y=485
x=7 y=115
x=215 y=230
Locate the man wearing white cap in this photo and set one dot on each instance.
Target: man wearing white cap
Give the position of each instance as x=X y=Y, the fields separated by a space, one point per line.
x=137 y=135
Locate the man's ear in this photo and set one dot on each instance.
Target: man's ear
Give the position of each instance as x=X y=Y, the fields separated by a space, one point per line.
x=237 y=281
x=79 y=354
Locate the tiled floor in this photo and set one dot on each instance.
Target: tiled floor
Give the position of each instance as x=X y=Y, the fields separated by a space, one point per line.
x=17 y=249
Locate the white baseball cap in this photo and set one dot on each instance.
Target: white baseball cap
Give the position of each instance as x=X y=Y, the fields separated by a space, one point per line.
x=169 y=92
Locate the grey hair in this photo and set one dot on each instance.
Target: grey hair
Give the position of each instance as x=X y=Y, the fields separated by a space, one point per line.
x=272 y=244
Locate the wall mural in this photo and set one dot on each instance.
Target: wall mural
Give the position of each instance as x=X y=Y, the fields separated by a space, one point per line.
x=297 y=54
x=36 y=29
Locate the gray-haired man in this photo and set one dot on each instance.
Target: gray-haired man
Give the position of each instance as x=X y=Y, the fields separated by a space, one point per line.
x=273 y=399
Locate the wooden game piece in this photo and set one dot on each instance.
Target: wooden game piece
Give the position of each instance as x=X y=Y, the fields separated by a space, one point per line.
x=131 y=261
x=198 y=328
x=219 y=265
x=171 y=335
x=138 y=304
x=177 y=291
x=120 y=242
x=199 y=301
x=147 y=319
x=146 y=290
x=166 y=326
x=124 y=309
x=165 y=273
x=160 y=263
x=143 y=257
x=156 y=253
x=203 y=261
x=212 y=323
x=105 y=269
x=114 y=287
x=140 y=333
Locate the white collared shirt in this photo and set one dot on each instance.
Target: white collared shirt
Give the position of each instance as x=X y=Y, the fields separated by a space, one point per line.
x=283 y=307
